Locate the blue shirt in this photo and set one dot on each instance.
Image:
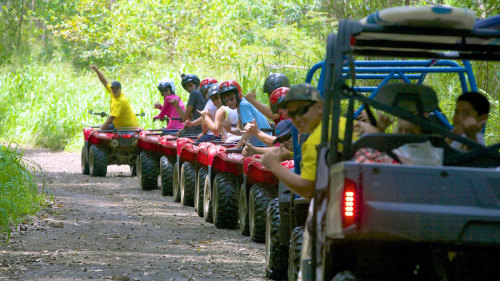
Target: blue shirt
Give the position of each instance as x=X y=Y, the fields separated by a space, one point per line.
x=247 y=113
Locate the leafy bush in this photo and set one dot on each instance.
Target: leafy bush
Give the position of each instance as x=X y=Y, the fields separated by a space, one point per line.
x=19 y=195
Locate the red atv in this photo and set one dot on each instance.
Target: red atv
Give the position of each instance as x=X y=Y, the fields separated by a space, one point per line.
x=259 y=187
x=148 y=162
x=220 y=192
x=206 y=153
x=108 y=147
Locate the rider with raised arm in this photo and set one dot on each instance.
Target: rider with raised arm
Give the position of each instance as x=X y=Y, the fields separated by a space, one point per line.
x=121 y=113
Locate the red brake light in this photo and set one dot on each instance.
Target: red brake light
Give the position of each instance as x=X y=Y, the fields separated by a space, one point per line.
x=350 y=201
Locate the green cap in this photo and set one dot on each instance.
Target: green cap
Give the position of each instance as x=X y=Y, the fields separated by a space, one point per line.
x=302 y=92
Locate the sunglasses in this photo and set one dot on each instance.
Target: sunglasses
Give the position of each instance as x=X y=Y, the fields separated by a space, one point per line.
x=283 y=138
x=300 y=111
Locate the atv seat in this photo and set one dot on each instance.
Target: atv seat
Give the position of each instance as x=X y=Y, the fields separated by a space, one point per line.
x=415 y=98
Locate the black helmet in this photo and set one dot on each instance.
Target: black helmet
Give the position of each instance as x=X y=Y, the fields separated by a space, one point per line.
x=189 y=78
x=213 y=90
x=274 y=81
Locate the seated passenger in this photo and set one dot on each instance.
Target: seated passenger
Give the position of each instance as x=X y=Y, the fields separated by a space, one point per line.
x=305 y=107
x=277 y=107
x=167 y=90
x=206 y=134
x=471 y=114
x=273 y=82
x=283 y=137
x=220 y=122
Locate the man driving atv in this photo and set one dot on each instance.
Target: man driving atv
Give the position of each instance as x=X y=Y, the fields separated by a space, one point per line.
x=121 y=113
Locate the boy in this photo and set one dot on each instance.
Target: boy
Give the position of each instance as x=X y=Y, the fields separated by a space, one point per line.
x=471 y=114
x=305 y=107
x=167 y=90
x=121 y=114
x=196 y=102
x=273 y=82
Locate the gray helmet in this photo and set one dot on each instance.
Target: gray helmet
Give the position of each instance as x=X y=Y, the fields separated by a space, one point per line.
x=166 y=83
x=274 y=81
x=213 y=90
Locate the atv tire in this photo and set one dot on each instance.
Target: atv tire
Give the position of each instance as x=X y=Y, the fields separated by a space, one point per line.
x=188 y=180
x=98 y=163
x=85 y=160
x=133 y=170
x=166 y=176
x=294 y=252
x=225 y=201
x=243 y=211
x=147 y=170
x=198 y=190
x=175 y=184
x=207 y=200
x=276 y=253
x=259 y=198
x=345 y=276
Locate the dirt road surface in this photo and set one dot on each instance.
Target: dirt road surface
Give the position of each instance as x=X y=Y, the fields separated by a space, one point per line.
x=110 y=229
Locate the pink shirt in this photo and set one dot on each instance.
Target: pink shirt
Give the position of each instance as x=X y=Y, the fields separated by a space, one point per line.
x=169 y=110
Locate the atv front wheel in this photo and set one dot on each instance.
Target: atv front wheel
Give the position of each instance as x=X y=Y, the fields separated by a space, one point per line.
x=148 y=172
x=276 y=253
x=225 y=201
x=260 y=196
x=243 y=211
x=198 y=190
x=175 y=184
x=98 y=163
x=294 y=252
x=188 y=178
x=207 y=200
x=85 y=160
x=133 y=170
x=166 y=176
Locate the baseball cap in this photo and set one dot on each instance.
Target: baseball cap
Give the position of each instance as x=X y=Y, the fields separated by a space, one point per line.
x=116 y=84
x=302 y=92
x=283 y=128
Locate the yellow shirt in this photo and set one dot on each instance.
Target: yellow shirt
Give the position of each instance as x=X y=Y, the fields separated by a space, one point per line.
x=122 y=111
x=310 y=154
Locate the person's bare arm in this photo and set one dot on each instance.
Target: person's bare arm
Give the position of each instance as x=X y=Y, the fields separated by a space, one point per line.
x=272 y=161
x=264 y=109
x=196 y=122
x=214 y=125
x=182 y=113
x=107 y=123
x=251 y=128
x=100 y=75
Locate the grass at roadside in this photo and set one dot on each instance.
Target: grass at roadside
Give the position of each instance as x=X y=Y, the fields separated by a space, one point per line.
x=19 y=195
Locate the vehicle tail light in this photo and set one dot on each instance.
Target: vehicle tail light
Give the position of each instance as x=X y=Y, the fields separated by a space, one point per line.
x=350 y=203
x=126 y=136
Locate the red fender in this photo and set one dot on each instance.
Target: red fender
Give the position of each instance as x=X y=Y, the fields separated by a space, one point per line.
x=228 y=163
x=189 y=152
x=168 y=145
x=181 y=142
x=149 y=142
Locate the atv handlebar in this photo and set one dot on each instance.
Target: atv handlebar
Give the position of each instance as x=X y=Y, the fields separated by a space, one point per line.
x=102 y=114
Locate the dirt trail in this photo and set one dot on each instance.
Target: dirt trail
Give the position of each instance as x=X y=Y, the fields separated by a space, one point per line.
x=109 y=229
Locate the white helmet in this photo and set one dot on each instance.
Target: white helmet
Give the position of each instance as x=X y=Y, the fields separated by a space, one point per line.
x=166 y=83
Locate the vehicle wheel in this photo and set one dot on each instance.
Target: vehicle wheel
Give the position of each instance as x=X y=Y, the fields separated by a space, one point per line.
x=259 y=198
x=276 y=253
x=166 y=176
x=188 y=180
x=225 y=201
x=198 y=190
x=148 y=171
x=133 y=170
x=294 y=253
x=344 y=276
x=85 y=160
x=175 y=184
x=98 y=163
x=207 y=200
x=243 y=211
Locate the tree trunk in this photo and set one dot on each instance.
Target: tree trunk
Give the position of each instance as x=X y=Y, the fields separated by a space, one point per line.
x=407 y=2
x=20 y=26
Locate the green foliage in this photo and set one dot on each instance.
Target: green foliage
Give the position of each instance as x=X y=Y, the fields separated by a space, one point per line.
x=19 y=195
